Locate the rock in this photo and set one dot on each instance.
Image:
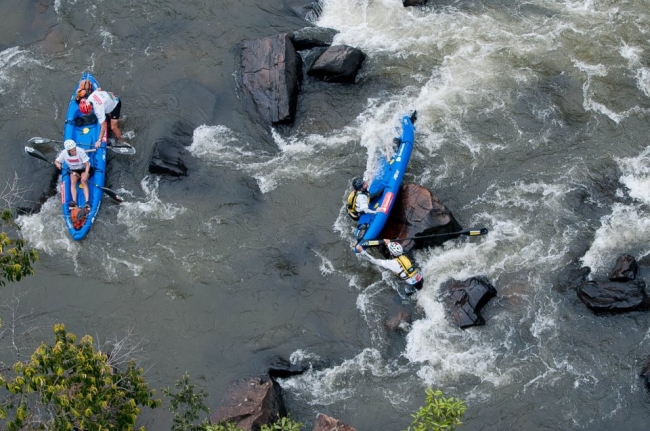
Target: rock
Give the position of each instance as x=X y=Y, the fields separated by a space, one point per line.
x=249 y=404
x=571 y=278
x=465 y=299
x=338 y=64
x=401 y=320
x=309 y=10
x=271 y=71
x=614 y=296
x=625 y=269
x=169 y=151
x=418 y=212
x=645 y=372
x=312 y=37
x=281 y=368
x=327 y=423
x=408 y=3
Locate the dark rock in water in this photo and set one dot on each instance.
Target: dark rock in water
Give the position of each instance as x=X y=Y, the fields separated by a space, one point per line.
x=271 y=71
x=418 y=212
x=327 y=423
x=465 y=299
x=614 y=296
x=625 y=269
x=250 y=403
x=309 y=10
x=408 y=3
x=338 y=64
x=312 y=37
x=645 y=372
x=281 y=368
x=167 y=159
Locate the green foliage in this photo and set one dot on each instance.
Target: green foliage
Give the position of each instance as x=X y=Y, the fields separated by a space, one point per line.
x=72 y=386
x=283 y=424
x=186 y=405
x=439 y=413
x=227 y=427
x=15 y=258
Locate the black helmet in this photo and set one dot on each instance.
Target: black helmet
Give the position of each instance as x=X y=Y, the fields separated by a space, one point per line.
x=357 y=183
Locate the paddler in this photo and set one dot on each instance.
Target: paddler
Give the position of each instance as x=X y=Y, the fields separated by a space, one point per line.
x=79 y=165
x=399 y=264
x=358 y=199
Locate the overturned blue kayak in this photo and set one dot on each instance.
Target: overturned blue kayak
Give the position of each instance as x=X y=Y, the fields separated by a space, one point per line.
x=84 y=130
x=384 y=187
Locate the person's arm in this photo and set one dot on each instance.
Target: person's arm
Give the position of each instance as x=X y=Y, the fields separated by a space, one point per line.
x=58 y=162
x=382 y=263
x=87 y=171
x=362 y=204
x=102 y=133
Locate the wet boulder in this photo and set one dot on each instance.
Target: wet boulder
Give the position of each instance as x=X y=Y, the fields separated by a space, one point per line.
x=612 y=296
x=625 y=269
x=418 y=212
x=312 y=37
x=327 y=423
x=338 y=63
x=282 y=368
x=407 y=3
x=464 y=300
x=271 y=71
x=250 y=403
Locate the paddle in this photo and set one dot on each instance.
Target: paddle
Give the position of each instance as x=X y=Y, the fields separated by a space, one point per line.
x=35 y=153
x=468 y=232
x=122 y=148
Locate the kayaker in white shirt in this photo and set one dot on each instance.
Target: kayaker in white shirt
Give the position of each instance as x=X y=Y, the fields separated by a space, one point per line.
x=106 y=106
x=78 y=164
x=400 y=265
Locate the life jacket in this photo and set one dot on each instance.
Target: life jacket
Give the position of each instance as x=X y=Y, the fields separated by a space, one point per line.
x=78 y=217
x=408 y=270
x=352 y=204
x=84 y=90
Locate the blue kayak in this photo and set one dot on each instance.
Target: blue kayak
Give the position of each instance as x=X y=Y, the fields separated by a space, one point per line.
x=384 y=187
x=85 y=136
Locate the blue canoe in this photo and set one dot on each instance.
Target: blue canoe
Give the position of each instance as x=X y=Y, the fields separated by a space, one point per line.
x=384 y=187
x=85 y=136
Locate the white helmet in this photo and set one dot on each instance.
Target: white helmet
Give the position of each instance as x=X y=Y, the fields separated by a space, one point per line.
x=69 y=144
x=395 y=249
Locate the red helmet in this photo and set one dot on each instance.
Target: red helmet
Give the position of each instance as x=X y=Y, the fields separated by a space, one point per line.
x=85 y=107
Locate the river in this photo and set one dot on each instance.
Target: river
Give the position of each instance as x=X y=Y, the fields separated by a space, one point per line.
x=532 y=122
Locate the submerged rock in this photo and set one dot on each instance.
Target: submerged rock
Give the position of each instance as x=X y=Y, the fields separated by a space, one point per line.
x=312 y=37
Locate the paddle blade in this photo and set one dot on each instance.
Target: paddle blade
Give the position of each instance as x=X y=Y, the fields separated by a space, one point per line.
x=112 y=195
x=35 y=153
x=37 y=140
x=124 y=149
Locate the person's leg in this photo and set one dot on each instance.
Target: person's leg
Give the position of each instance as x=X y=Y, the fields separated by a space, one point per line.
x=73 y=186
x=114 y=115
x=84 y=183
x=116 y=130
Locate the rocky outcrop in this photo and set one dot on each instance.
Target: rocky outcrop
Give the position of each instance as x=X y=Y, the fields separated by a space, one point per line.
x=620 y=293
x=308 y=10
x=271 y=71
x=312 y=37
x=464 y=300
x=338 y=64
x=625 y=269
x=612 y=296
x=327 y=423
x=250 y=403
x=418 y=212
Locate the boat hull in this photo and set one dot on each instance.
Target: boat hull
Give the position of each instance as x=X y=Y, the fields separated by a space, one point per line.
x=384 y=187
x=85 y=136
